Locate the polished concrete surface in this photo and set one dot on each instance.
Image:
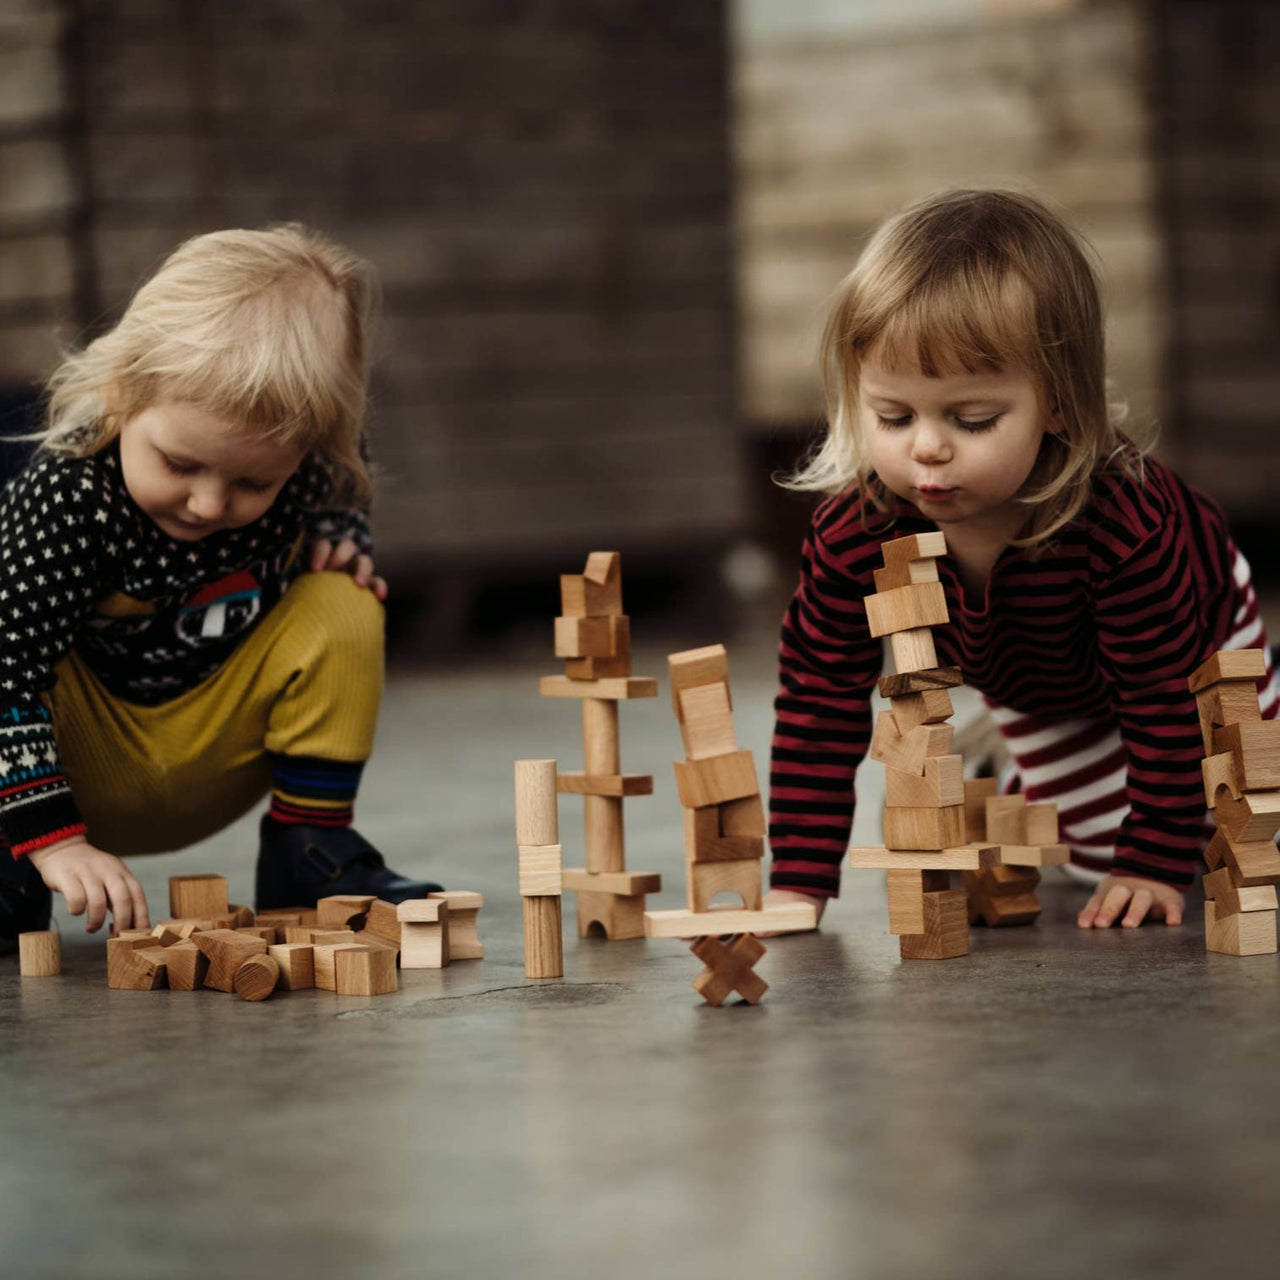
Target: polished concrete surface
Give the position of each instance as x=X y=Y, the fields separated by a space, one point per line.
x=1059 y=1103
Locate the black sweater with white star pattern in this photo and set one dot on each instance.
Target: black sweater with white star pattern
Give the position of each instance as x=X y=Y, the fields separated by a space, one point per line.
x=81 y=566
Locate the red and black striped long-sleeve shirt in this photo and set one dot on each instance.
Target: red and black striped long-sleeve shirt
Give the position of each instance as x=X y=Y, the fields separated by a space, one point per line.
x=1107 y=624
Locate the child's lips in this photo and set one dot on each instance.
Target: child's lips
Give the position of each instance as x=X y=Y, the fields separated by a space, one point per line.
x=935 y=492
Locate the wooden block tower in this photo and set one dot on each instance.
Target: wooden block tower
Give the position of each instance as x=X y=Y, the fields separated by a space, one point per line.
x=724 y=832
x=925 y=820
x=593 y=636
x=1242 y=788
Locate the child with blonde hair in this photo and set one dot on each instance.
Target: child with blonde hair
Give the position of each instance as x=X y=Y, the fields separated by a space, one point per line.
x=173 y=647
x=964 y=365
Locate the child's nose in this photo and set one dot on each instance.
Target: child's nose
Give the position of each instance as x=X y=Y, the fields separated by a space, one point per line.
x=206 y=501
x=929 y=442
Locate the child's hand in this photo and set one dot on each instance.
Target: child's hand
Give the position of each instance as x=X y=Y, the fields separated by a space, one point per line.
x=346 y=558
x=1143 y=897
x=781 y=897
x=89 y=878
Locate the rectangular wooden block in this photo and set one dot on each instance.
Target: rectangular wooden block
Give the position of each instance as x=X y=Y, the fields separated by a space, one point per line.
x=894 y=686
x=693 y=667
x=921 y=605
x=704 y=842
x=707 y=782
x=540 y=868
x=698 y=924
x=1035 y=855
x=186 y=966
x=1250 y=934
x=424 y=946
x=625 y=883
x=918 y=828
x=1255 y=862
x=909 y=751
x=1254 y=816
x=1254 y=747
x=598 y=590
x=1225 y=704
x=297 y=965
x=614 y=662
x=911 y=559
x=906 y=890
x=1041 y=823
x=198 y=897
x=612 y=688
x=324 y=964
x=706 y=721
x=743 y=817
x=576 y=783
x=1006 y=819
x=976 y=793
x=913 y=650
x=1228 y=664
x=932 y=706
x=383 y=922
x=584 y=637
x=464 y=906
x=183 y=928
x=946 y=928
x=226 y=950
x=705 y=881
x=421 y=911
x=364 y=971
x=964 y=858
x=344 y=910
x=942 y=784
x=1234 y=899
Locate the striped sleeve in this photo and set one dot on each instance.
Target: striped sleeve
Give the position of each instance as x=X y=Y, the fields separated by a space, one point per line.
x=827 y=666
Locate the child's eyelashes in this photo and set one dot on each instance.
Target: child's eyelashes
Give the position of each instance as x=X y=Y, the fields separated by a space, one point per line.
x=972 y=425
x=179 y=468
x=976 y=425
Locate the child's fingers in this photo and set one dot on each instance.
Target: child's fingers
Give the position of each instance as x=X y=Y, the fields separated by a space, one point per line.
x=320 y=554
x=1112 y=904
x=128 y=902
x=1089 y=912
x=1142 y=902
x=96 y=899
x=141 y=915
x=343 y=554
x=379 y=587
x=1173 y=911
x=363 y=570
x=73 y=891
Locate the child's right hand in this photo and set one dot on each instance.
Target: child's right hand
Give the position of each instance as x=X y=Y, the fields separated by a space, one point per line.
x=90 y=879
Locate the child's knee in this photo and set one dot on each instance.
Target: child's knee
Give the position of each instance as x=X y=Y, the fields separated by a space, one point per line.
x=350 y=618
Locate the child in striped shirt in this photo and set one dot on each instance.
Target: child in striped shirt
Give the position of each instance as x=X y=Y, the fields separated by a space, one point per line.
x=964 y=367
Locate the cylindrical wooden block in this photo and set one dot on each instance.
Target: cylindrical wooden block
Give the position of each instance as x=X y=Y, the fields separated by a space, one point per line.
x=256 y=979
x=543 y=942
x=600 y=751
x=602 y=815
x=39 y=954
x=537 y=821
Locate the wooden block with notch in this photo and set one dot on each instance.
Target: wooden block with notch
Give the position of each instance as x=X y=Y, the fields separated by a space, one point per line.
x=365 y=971
x=906 y=890
x=226 y=950
x=183 y=928
x=744 y=817
x=911 y=559
x=692 y=668
x=256 y=979
x=909 y=751
x=383 y=922
x=135 y=964
x=198 y=897
x=464 y=908
x=713 y=781
x=704 y=840
x=1002 y=896
x=946 y=928
x=39 y=953
x=186 y=966
x=617 y=916
x=913 y=650
x=296 y=961
x=706 y=721
x=931 y=706
x=1219 y=772
x=1254 y=816
x=920 y=606
x=424 y=933
x=1253 y=862
x=341 y=911
x=923 y=828
x=1254 y=749
x=1250 y=934
x=1236 y=899
x=704 y=881
x=1230 y=665
x=597 y=590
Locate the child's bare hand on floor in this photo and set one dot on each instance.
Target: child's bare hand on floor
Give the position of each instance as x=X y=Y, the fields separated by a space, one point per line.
x=92 y=880
x=345 y=557
x=1136 y=897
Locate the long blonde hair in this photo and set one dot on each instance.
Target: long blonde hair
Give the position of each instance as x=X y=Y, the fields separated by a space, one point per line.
x=977 y=281
x=267 y=328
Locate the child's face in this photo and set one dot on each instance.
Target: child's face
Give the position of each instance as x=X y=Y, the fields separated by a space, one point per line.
x=195 y=473
x=958 y=447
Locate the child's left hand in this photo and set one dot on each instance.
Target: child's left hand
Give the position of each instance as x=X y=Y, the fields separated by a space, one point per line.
x=1142 y=897
x=346 y=558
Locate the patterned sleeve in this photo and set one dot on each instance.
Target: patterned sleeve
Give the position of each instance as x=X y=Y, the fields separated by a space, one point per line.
x=828 y=664
x=325 y=519
x=50 y=518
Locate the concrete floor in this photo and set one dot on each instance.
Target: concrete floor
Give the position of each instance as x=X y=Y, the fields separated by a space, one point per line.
x=1056 y=1104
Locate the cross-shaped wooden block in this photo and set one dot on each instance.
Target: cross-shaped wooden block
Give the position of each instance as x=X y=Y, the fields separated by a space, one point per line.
x=730 y=963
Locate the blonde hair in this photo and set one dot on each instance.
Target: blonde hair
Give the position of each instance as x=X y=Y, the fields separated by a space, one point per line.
x=977 y=281
x=267 y=328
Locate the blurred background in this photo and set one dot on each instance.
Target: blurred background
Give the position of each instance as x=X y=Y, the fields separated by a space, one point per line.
x=606 y=231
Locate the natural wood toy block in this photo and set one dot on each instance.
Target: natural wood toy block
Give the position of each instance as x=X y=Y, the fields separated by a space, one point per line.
x=226 y=951
x=597 y=590
x=894 y=686
x=186 y=966
x=616 y=916
x=602 y=825
x=39 y=953
x=785 y=918
x=164 y=936
x=913 y=650
x=135 y=964
x=268 y=933
x=1254 y=816
x=706 y=880
x=1252 y=863
x=730 y=966
x=615 y=688
x=920 y=605
x=744 y=817
x=614 y=662
x=715 y=780
x=1006 y=819
x=183 y=928
x=1034 y=855
x=627 y=883
x=909 y=560
x=577 y=783
x=365 y=971
x=464 y=908
x=198 y=897
x=706 y=721
x=537 y=815
x=297 y=965
x=583 y=637
x=1249 y=934
x=344 y=911
x=941 y=784
x=1219 y=771
x=256 y=979
x=1235 y=899
x=930 y=706
x=324 y=963
x=281 y=919
x=1040 y=824
x=964 y=858
x=424 y=933
x=383 y=922
x=976 y=793
x=705 y=841
x=537 y=825
x=241 y=917
x=1229 y=665
x=1254 y=749
x=540 y=870
x=906 y=890
x=543 y=938
x=946 y=928
x=693 y=668
x=909 y=751
x=918 y=828
x=1002 y=896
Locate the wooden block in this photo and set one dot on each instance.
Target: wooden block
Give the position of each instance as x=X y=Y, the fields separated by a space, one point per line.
x=1229 y=664
x=138 y=937
x=537 y=817
x=330 y=937
x=582 y=637
x=281 y=919
x=1254 y=816
x=383 y=922
x=614 y=663
x=424 y=934
x=1255 y=862
x=242 y=917
x=344 y=910
x=612 y=915
x=198 y=897
x=365 y=971
x=183 y=928
x=613 y=688
x=164 y=936
x=913 y=650
x=1040 y=824
x=464 y=906
x=366 y=938
x=1226 y=704
x=324 y=964
x=744 y=817
x=1035 y=855
x=1254 y=748
x=1219 y=771
x=942 y=784
x=597 y=590
x=1234 y=899
x=268 y=933
x=543 y=938
x=906 y=890
x=1002 y=896
x=946 y=928
x=628 y=884
x=692 y=668
x=713 y=781
x=256 y=979
x=920 y=828
x=919 y=606
x=186 y=966
x=540 y=868
x=911 y=558
x=976 y=793
x=788 y=917
x=604 y=784
x=730 y=965
x=39 y=953
x=226 y=950
x=894 y=686
x=1249 y=934
x=703 y=841
x=706 y=721
x=909 y=751
x=933 y=706
x=133 y=967
x=1006 y=819
x=704 y=881
x=420 y=911
x=296 y=961
x=964 y=858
